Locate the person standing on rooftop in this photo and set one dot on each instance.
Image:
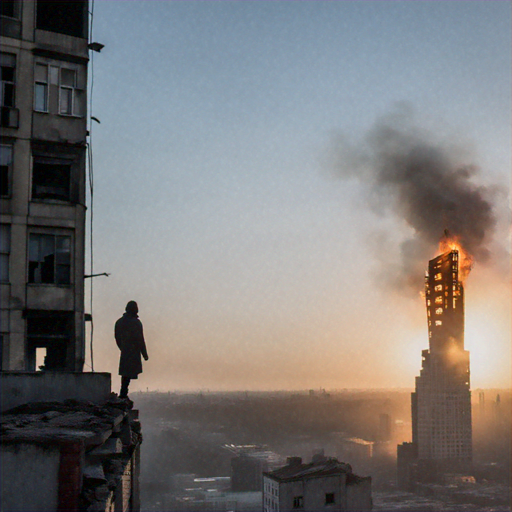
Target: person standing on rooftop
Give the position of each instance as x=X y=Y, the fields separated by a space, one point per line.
x=130 y=340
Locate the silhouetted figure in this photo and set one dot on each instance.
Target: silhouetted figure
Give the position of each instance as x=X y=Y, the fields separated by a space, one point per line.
x=130 y=340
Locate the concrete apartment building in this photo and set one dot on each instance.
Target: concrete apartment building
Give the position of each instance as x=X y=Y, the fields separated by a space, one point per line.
x=441 y=403
x=67 y=444
x=44 y=58
x=324 y=484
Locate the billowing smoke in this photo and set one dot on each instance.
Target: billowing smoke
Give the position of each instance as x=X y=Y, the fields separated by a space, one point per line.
x=426 y=183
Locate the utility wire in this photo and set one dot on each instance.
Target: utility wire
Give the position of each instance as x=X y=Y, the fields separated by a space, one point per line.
x=91 y=184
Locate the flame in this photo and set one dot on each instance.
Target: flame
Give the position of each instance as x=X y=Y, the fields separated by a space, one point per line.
x=451 y=242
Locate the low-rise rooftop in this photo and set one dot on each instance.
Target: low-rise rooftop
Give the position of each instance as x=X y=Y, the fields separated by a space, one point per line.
x=297 y=471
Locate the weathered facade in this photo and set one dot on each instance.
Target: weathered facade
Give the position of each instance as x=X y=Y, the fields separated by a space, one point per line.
x=44 y=58
x=441 y=403
x=324 y=484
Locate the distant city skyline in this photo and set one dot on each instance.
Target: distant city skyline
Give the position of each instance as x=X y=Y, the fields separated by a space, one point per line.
x=220 y=208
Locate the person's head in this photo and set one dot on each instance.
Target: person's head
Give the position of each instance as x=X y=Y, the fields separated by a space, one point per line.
x=132 y=308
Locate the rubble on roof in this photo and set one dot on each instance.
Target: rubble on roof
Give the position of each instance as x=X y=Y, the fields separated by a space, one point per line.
x=109 y=433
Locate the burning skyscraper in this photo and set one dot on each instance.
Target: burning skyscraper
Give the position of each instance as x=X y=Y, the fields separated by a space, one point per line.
x=441 y=403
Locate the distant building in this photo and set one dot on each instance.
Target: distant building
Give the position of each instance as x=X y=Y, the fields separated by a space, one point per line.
x=324 y=484
x=248 y=466
x=44 y=58
x=441 y=403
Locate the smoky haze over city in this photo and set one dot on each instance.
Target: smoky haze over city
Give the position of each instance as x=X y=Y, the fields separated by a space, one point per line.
x=301 y=164
x=256 y=256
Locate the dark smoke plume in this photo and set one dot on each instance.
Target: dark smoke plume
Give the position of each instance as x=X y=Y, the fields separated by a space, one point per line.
x=424 y=182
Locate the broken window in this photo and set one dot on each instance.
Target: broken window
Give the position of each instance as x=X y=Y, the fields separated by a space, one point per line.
x=64 y=17
x=51 y=178
x=49 y=334
x=5 y=168
x=5 y=250
x=438 y=276
x=329 y=498
x=439 y=299
x=49 y=259
x=298 y=502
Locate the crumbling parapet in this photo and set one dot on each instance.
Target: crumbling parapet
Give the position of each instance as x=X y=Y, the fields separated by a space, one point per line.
x=70 y=456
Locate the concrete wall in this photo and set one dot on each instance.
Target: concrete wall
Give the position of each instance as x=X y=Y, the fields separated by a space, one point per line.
x=313 y=491
x=23 y=387
x=359 y=496
x=30 y=477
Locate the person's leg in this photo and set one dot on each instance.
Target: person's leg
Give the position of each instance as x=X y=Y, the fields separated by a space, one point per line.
x=125 y=382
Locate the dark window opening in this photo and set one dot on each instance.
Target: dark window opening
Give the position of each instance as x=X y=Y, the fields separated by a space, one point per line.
x=49 y=259
x=329 y=498
x=5 y=169
x=1 y=352
x=63 y=17
x=49 y=334
x=5 y=251
x=298 y=502
x=8 y=79
x=10 y=8
x=9 y=115
x=51 y=179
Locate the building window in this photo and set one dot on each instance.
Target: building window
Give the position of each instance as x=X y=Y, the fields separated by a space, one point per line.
x=438 y=276
x=51 y=178
x=49 y=333
x=329 y=498
x=71 y=97
x=439 y=323
x=438 y=288
x=439 y=299
x=10 y=8
x=63 y=17
x=439 y=311
x=41 y=88
x=8 y=79
x=5 y=168
x=49 y=259
x=298 y=502
x=5 y=250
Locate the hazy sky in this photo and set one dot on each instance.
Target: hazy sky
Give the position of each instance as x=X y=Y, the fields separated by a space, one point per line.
x=222 y=204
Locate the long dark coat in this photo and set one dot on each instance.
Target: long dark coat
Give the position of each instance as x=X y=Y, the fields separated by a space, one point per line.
x=130 y=340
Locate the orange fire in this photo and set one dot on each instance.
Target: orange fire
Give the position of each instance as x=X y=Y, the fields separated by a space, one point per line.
x=451 y=242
